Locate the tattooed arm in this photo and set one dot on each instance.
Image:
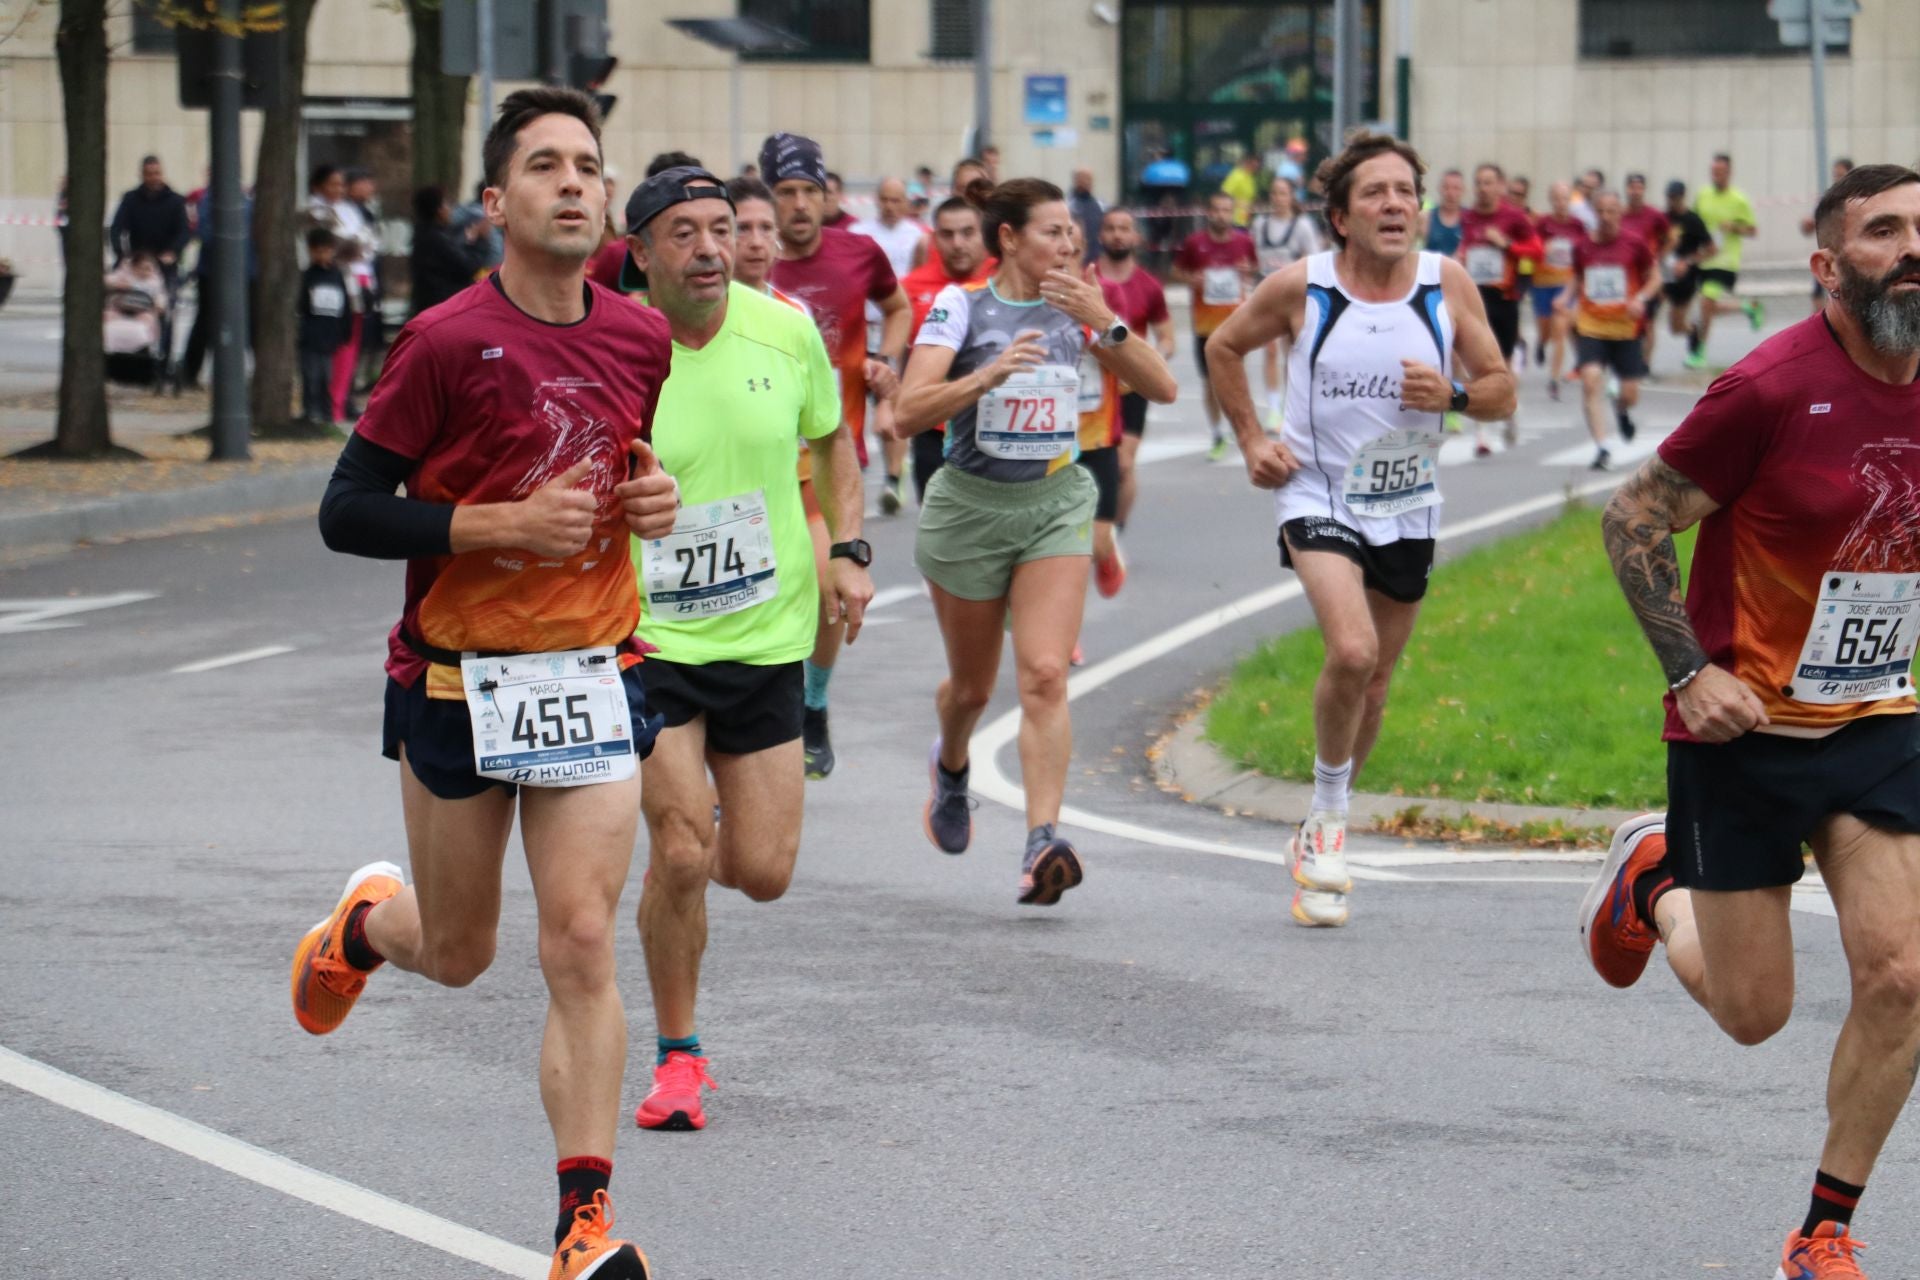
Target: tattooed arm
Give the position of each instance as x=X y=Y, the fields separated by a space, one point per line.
x=1639 y=525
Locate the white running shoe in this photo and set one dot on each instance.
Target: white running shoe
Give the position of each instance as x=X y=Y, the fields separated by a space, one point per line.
x=1319 y=853
x=1318 y=910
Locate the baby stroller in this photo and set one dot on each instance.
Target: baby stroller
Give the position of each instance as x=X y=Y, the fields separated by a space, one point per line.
x=137 y=326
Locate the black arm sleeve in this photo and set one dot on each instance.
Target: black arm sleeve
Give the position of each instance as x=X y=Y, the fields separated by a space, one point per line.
x=363 y=516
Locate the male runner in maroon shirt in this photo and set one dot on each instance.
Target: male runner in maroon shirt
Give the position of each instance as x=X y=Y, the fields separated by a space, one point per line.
x=836 y=273
x=513 y=413
x=1790 y=707
x=1137 y=298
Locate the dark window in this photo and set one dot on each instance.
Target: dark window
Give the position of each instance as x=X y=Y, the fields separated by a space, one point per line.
x=150 y=35
x=835 y=30
x=952 y=25
x=1696 y=29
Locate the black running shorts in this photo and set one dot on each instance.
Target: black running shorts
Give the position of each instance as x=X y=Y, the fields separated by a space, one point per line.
x=1624 y=356
x=1397 y=570
x=748 y=708
x=1680 y=292
x=1133 y=413
x=1726 y=280
x=1738 y=812
x=1104 y=465
x=1503 y=317
x=439 y=736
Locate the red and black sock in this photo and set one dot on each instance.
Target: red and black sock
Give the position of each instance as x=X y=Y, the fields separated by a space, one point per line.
x=354 y=947
x=1833 y=1201
x=580 y=1177
x=1648 y=888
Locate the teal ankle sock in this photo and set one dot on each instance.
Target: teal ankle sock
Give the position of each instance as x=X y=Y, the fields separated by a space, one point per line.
x=667 y=1044
x=816 y=682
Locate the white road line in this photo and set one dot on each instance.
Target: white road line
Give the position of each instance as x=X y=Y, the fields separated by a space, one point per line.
x=53 y=613
x=277 y=1173
x=984 y=748
x=893 y=595
x=232 y=659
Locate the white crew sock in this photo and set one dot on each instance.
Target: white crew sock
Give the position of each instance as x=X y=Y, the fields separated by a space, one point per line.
x=1331 y=786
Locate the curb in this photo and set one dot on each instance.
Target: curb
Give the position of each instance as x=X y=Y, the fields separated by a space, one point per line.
x=152 y=514
x=1194 y=768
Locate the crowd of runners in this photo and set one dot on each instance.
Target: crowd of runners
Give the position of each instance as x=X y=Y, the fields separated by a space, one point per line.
x=633 y=534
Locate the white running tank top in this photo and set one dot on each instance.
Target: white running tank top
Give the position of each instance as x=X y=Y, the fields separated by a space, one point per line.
x=1343 y=390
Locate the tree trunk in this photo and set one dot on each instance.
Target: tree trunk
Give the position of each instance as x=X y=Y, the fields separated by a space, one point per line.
x=83 y=430
x=277 y=221
x=439 y=107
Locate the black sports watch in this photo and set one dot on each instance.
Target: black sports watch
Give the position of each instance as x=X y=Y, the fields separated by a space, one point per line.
x=1459 y=404
x=860 y=551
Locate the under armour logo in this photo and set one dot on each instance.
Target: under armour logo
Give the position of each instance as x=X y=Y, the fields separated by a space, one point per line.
x=759 y=384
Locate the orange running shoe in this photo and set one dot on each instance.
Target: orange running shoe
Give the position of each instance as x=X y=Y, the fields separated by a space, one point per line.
x=1615 y=940
x=1110 y=575
x=588 y=1252
x=674 y=1100
x=1827 y=1254
x=324 y=984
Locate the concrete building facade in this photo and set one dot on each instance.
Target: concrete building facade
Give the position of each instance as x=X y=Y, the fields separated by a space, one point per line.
x=1545 y=87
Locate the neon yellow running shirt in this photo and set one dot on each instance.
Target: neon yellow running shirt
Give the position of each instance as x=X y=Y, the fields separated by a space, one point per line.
x=735 y=582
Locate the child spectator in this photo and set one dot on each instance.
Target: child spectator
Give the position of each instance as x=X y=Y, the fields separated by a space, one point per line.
x=326 y=320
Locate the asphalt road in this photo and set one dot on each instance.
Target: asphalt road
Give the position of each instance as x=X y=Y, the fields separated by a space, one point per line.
x=1164 y=1076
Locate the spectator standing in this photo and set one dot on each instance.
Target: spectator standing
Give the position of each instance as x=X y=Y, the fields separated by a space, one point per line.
x=363 y=195
x=204 y=293
x=445 y=260
x=326 y=320
x=493 y=238
x=151 y=218
x=1085 y=208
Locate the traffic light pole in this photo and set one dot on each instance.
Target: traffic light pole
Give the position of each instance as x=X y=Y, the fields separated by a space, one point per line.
x=982 y=75
x=229 y=275
x=483 y=38
x=1817 y=43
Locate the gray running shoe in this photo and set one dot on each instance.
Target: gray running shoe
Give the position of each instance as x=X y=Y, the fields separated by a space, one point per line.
x=1050 y=870
x=949 y=813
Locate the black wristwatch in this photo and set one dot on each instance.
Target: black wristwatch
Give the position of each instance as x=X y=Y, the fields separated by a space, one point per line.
x=860 y=551
x=1459 y=404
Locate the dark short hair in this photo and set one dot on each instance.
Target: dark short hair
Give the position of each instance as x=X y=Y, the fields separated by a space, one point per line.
x=1844 y=162
x=836 y=180
x=427 y=202
x=1862 y=183
x=1010 y=203
x=1121 y=209
x=359 y=175
x=147 y=160
x=1335 y=173
x=1219 y=195
x=1600 y=177
x=745 y=187
x=1454 y=173
x=671 y=160
x=321 y=238
x=521 y=108
x=1498 y=172
x=954 y=204
x=1721 y=157
x=966 y=162
x=320 y=173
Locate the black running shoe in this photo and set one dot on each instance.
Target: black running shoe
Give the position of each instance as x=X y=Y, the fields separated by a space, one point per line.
x=815 y=744
x=1624 y=421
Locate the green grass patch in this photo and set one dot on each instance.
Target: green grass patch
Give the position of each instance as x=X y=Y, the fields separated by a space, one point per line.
x=1527 y=682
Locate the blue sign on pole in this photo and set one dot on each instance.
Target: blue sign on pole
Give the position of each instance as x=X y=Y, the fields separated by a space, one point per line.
x=1046 y=100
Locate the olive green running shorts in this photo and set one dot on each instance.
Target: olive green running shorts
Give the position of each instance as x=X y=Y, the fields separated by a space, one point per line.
x=974 y=531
